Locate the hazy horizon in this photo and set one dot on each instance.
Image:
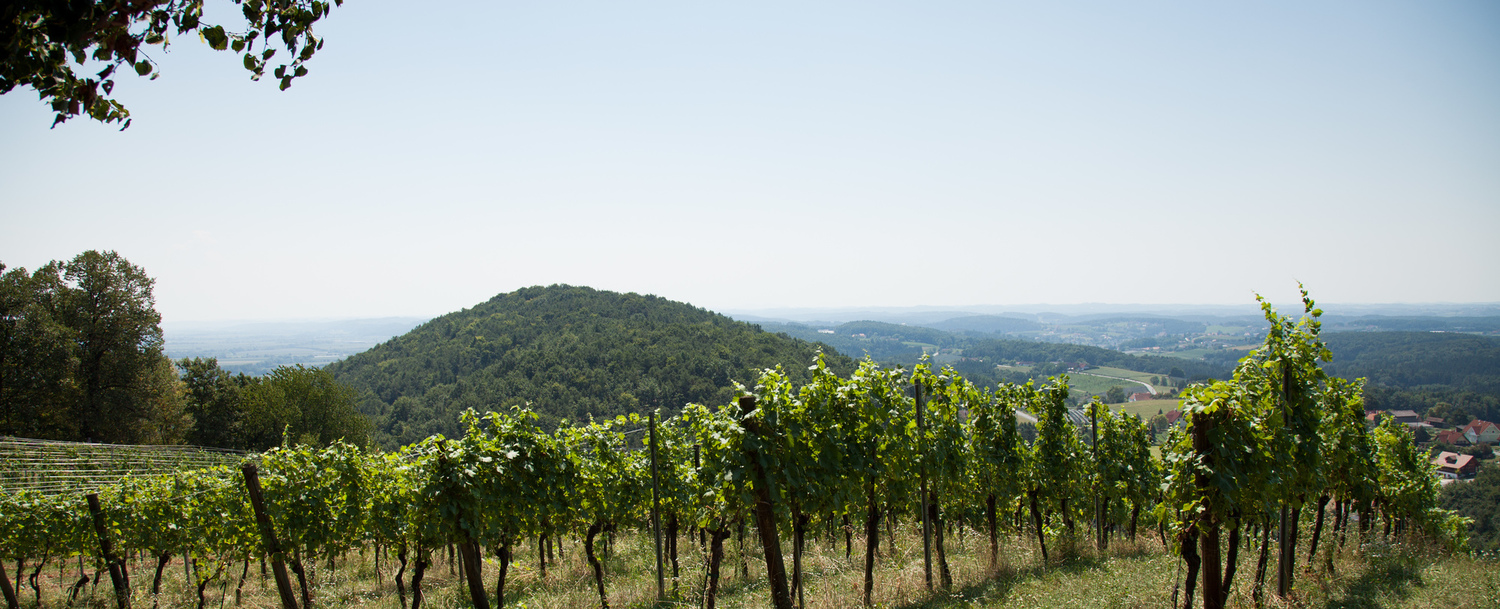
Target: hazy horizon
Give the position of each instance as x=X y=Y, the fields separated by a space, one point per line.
x=1437 y=309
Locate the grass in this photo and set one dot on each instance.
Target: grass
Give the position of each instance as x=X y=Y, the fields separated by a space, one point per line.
x=1147 y=408
x=1093 y=380
x=1129 y=574
x=1083 y=382
x=1144 y=377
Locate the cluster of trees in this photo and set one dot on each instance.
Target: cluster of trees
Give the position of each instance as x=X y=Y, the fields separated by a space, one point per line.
x=1454 y=406
x=1479 y=500
x=81 y=354
x=81 y=360
x=566 y=353
x=291 y=404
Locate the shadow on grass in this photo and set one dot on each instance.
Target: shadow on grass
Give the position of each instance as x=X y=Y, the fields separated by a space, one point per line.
x=1390 y=577
x=689 y=596
x=997 y=587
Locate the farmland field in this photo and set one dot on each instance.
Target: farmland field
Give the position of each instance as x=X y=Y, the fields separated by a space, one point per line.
x=1095 y=381
x=1147 y=409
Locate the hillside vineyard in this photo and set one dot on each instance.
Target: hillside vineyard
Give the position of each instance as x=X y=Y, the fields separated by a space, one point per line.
x=1276 y=444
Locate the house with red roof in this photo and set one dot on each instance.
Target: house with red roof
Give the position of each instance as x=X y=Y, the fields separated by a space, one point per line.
x=1452 y=437
x=1455 y=466
x=1140 y=397
x=1482 y=431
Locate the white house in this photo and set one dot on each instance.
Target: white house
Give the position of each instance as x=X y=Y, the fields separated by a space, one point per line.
x=1482 y=431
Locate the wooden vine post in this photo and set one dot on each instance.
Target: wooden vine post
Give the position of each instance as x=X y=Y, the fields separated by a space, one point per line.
x=10 y=593
x=697 y=466
x=922 y=476
x=116 y=566
x=1214 y=595
x=470 y=562
x=661 y=591
x=1099 y=474
x=268 y=535
x=765 y=511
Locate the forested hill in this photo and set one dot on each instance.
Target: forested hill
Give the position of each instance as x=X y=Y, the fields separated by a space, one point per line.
x=569 y=352
x=1410 y=360
x=1450 y=375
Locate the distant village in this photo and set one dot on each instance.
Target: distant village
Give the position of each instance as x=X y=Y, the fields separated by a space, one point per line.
x=1456 y=451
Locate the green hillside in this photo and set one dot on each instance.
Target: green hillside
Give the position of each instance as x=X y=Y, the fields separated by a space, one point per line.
x=1451 y=375
x=570 y=352
x=1410 y=360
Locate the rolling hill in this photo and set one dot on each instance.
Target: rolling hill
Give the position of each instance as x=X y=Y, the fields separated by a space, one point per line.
x=570 y=353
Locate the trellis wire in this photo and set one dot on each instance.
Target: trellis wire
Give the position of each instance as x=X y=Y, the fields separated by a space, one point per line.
x=53 y=467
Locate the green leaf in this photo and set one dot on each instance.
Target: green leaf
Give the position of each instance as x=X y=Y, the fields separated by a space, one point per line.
x=216 y=37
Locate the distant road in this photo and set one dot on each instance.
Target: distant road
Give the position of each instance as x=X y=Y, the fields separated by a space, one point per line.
x=1121 y=378
x=1025 y=415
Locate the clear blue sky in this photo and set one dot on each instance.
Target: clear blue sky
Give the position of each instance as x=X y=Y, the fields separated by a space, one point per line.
x=768 y=154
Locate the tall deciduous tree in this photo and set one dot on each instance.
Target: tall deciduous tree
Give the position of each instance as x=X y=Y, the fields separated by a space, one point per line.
x=81 y=354
x=37 y=355
x=118 y=331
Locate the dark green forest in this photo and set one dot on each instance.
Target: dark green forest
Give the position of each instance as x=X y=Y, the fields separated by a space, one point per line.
x=567 y=353
x=1456 y=374
x=1411 y=360
x=1478 y=499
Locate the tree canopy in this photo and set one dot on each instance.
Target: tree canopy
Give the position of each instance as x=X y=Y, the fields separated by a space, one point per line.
x=52 y=46
x=290 y=404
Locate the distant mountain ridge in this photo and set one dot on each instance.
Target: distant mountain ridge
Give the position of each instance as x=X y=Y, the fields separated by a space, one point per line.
x=566 y=352
x=926 y=315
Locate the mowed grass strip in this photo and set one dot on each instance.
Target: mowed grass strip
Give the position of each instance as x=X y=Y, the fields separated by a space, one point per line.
x=1129 y=574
